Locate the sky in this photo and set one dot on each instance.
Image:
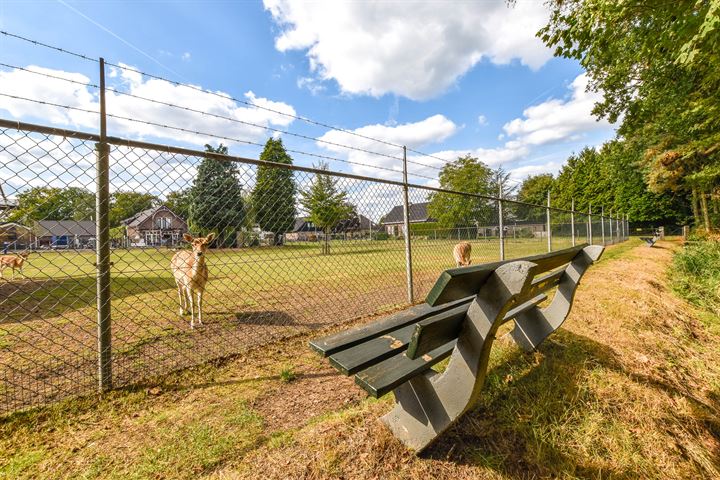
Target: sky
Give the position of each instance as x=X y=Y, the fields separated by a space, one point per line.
x=443 y=78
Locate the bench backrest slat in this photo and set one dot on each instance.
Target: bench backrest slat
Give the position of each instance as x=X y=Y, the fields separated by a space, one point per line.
x=458 y=283
x=433 y=332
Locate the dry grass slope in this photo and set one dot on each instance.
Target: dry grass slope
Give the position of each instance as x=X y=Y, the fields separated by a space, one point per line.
x=629 y=388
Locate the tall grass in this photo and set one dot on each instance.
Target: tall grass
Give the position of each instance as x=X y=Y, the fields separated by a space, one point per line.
x=695 y=274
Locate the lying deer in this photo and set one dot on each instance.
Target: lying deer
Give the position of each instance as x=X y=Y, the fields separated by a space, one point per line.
x=461 y=253
x=14 y=262
x=191 y=275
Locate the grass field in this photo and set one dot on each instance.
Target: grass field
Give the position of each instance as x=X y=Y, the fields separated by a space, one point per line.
x=254 y=296
x=629 y=387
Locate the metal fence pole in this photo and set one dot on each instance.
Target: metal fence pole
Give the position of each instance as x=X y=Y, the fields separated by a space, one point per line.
x=572 y=219
x=612 y=239
x=406 y=220
x=549 y=231
x=102 y=246
x=590 y=238
x=602 y=224
x=500 y=222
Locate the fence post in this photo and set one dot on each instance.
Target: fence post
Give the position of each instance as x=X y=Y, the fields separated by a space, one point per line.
x=611 y=230
x=602 y=224
x=617 y=226
x=549 y=231
x=102 y=246
x=500 y=221
x=406 y=221
x=590 y=238
x=572 y=220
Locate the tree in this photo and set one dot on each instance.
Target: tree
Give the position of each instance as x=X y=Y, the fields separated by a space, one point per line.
x=216 y=199
x=658 y=66
x=534 y=190
x=124 y=205
x=179 y=202
x=51 y=203
x=326 y=204
x=273 y=198
x=469 y=175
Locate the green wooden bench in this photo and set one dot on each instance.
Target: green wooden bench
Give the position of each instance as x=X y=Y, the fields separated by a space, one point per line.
x=459 y=320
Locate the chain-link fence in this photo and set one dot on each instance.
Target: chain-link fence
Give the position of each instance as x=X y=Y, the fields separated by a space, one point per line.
x=258 y=251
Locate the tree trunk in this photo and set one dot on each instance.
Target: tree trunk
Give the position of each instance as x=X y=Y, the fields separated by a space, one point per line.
x=706 y=214
x=695 y=209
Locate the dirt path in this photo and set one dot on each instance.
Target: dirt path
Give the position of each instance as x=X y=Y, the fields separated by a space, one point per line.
x=628 y=388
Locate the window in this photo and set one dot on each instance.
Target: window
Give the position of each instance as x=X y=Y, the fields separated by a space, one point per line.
x=163 y=223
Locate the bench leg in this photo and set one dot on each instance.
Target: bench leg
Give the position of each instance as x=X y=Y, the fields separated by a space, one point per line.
x=535 y=325
x=429 y=404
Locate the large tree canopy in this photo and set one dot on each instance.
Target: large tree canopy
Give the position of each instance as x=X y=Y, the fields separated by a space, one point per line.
x=273 y=198
x=216 y=200
x=658 y=66
x=469 y=175
x=534 y=190
x=50 y=203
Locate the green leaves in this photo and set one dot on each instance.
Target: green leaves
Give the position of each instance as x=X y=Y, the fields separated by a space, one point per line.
x=469 y=175
x=273 y=198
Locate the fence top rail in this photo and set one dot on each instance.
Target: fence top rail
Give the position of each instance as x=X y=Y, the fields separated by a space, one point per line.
x=117 y=141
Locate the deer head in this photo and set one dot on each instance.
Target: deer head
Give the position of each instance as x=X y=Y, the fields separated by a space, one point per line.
x=199 y=244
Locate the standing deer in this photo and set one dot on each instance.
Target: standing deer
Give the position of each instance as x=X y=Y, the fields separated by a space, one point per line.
x=461 y=253
x=191 y=274
x=14 y=262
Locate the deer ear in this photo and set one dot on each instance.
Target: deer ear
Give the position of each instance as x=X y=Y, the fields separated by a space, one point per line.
x=210 y=238
x=187 y=237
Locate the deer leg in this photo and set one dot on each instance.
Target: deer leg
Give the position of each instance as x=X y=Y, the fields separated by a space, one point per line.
x=181 y=297
x=199 y=302
x=188 y=292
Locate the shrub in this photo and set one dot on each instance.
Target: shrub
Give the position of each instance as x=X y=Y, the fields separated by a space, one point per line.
x=695 y=273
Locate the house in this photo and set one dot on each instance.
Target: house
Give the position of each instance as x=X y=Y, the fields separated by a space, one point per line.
x=154 y=227
x=304 y=230
x=64 y=233
x=394 y=220
x=14 y=236
x=355 y=226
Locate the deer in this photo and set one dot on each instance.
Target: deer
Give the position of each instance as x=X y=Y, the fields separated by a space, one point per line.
x=14 y=262
x=461 y=254
x=191 y=275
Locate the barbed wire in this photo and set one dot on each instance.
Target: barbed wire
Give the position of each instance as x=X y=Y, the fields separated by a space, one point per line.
x=35 y=42
x=206 y=134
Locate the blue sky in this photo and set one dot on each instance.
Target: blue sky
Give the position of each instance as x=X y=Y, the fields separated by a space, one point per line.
x=445 y=78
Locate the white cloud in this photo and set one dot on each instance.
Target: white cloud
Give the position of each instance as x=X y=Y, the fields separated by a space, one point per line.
x=482 y=120
x=434 y=129
x=29 y=85
x=558 y=120
x=415 y=49
x=186 y=56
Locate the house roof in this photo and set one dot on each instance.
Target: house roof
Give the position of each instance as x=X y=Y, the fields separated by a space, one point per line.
x=46 y=228
x=13 y=225
x=418 y=213
x=360 y=222
x=140 y=217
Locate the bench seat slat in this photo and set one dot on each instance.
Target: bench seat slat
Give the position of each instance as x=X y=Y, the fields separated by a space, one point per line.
x=349 y=338
x=463 y=282
x=354 y=359
x=434 y=332
x=384 y=377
